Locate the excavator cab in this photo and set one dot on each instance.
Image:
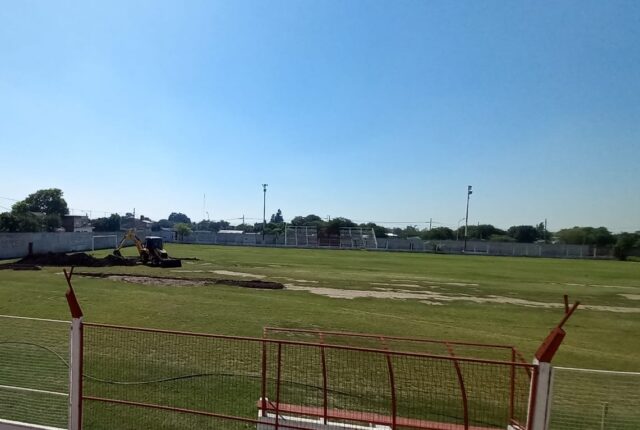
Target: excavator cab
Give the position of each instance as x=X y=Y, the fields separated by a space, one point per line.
x=154 y=242
x=152 y=252
x=156 y=255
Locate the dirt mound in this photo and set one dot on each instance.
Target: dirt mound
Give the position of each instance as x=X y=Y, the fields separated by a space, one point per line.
x=266 y=285
x=14 y=266
x=78 y=259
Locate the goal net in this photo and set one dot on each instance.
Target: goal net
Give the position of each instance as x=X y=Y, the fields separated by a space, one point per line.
x=358 y=237
x=296 y=235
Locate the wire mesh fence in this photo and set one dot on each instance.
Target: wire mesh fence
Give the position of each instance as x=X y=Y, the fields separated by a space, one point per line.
x=595 y=400
x=34 y=375
x=141 y=378
x=397 y=343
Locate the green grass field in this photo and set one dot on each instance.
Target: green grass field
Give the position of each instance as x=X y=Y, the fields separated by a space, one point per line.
x=596 y=338
x=512 y=301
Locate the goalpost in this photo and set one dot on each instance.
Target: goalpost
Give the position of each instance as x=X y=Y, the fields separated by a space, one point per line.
x=104 y=241
x=300 y=235
x=358 y=237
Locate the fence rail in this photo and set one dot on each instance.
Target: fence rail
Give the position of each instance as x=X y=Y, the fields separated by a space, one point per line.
x=276 y=381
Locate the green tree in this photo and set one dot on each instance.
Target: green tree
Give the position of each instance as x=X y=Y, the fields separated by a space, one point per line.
x=600 y=236
x=247 y=228
x=277 y=217
x=333 y=227
x=21 y=219
x=378 y=230
x=411 y=231
x=29 y=222
x=8 y=222
x=624 y=243
x=438 y=233
x=112 y=223
x=47 y=201
x=51 y=222
x=308 y=221
x=183 y=230
x=213 y=225
x=523 y=233
x=501 y=238
x=178 y=217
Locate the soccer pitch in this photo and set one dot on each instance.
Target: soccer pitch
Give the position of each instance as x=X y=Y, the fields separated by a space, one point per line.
x=467 y=298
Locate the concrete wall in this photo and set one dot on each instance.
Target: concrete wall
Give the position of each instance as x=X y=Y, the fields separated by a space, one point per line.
x=511 y=249
x=16 y=245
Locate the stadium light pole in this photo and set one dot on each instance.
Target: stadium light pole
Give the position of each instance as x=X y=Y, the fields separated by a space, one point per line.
x=466 y=218
x=458 y=229
x=264 y=210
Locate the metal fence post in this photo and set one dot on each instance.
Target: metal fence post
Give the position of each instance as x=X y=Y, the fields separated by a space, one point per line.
x=76 y=357
x=542 y=383
x=541 y=396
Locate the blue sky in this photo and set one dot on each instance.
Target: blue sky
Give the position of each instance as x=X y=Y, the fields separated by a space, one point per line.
x=372 y=110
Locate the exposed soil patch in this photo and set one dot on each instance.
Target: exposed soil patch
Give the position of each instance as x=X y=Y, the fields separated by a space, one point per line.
x=16 y=266
x=78 y=259
x=397 y=285
x=430 y=297
x=304 y=281
x=631 y=296
x=241 y=274
x=183 y=282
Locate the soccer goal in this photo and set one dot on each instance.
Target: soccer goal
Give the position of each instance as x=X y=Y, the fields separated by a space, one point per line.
x=104 y=241
x=358 y=237
x=301 y=235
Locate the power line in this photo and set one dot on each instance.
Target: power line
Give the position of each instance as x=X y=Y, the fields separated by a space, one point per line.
x=399 y=222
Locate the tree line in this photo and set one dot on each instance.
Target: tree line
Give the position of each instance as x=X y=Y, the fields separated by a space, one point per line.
x=44 y=209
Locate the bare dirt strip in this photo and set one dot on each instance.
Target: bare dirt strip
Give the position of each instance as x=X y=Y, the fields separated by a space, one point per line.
x=182 y=282
x=436 y=298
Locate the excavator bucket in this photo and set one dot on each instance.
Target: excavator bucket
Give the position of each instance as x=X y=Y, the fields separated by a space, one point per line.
x=170 y=262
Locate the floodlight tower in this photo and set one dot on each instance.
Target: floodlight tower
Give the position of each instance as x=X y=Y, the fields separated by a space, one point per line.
x=466 y=218
x=264 y=210
x=458 y=229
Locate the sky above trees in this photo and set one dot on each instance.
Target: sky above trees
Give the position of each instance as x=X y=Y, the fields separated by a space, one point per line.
x=375 y=111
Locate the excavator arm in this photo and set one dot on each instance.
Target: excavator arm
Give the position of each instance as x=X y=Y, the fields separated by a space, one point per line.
x=131 y=236
x=151 y=253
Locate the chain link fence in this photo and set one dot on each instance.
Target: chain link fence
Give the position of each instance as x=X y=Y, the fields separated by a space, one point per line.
x=34 y=374
x=585 y=399
x=142 y=378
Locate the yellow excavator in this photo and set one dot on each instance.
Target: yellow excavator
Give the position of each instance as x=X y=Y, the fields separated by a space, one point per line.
x=151 y=252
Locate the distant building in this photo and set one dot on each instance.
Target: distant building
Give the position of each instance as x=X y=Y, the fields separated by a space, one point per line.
x=137 y=223
x=76 y=223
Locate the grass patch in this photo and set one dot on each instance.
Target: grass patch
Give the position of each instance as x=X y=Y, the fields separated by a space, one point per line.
x=486 y=299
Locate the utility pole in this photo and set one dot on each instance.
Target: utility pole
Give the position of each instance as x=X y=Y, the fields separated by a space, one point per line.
x=430 y=221
x=466 y=218
x=264 y=210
